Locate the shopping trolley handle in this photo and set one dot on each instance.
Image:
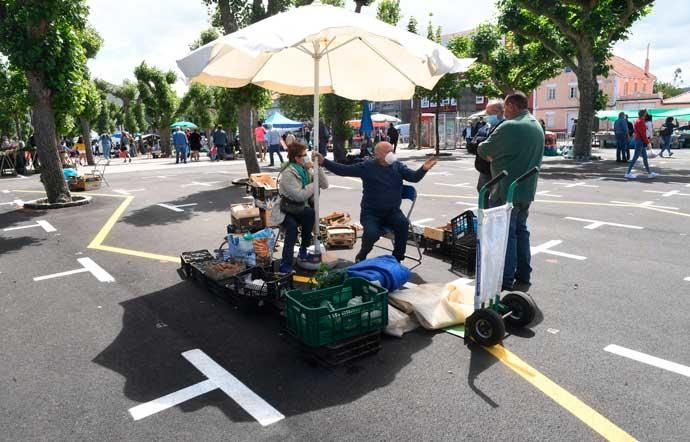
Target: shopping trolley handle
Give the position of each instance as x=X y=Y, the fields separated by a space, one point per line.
x=522 y=178
x=484 y=191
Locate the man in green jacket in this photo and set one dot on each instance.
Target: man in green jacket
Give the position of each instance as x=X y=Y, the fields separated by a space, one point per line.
x=516 y=146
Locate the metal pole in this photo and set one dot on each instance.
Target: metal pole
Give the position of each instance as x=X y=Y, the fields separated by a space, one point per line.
x=315 y=137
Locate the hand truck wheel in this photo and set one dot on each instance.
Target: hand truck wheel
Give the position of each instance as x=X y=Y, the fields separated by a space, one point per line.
x=486 y=327
x=522 y=307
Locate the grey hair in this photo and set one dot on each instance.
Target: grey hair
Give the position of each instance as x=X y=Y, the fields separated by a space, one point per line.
x=496 y=102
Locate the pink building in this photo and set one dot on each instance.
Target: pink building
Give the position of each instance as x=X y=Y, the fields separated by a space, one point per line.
x=556 y=100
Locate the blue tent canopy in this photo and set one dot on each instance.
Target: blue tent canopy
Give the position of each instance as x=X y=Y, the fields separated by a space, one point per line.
x=281 y=121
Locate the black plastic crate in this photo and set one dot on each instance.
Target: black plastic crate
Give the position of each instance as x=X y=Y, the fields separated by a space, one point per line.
x=273 y=287
x=188 y=258
x=464 y=258
x=341 y=352
x=461 y=226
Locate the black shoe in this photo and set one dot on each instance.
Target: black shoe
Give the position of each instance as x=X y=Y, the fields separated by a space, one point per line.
x=521 y=286
x=670 y=154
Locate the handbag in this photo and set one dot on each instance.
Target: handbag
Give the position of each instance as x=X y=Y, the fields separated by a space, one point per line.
x=291 y=207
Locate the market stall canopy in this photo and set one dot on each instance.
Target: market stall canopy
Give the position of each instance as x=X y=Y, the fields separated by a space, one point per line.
x=359 y=56
x=184 y=124
x=366 y=125
x=357 y=124
x=681 y=114
x=612 y=115
x=280 y=121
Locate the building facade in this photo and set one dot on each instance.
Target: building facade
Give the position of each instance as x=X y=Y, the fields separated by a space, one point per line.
x=627 y=86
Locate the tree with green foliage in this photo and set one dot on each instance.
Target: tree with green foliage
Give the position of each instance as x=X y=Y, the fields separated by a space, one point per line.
x=155 y=91
x=388 y=11
x=582 y=35
x=90 y=109
x=359 y=4
x=506 y=62
x=14 y=96
x=206 y=36
x=128 y=92
x=667 y=89
x=297 y=107
x=196 y=106
x=45 y=39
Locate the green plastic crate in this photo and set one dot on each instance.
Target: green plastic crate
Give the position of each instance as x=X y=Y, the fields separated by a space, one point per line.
x=316 y=324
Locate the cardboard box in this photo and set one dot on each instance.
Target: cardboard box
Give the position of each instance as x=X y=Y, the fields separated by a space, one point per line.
x=265 y=180
x=436 y=233
x=341 y=236
x=266 y=217
x=245 y=216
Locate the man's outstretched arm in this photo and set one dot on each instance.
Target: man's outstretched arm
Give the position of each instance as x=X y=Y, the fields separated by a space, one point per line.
x=355 y=170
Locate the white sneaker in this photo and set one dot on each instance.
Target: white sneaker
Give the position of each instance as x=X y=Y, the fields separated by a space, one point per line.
x=630 y=176
x=652 y=175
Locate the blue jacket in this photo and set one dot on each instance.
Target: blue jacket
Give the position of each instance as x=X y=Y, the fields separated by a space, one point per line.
x=382 y=184
x=620 y=127
x=179 y=139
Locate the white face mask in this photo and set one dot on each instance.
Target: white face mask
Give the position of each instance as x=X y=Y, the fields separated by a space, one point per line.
x=307 y=159
x=390 y=158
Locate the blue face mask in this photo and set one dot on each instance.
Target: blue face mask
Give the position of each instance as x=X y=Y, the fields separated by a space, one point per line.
x=493 y=119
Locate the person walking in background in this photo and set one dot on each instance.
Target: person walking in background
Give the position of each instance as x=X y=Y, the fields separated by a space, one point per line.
x=324 y=137
x=275 y=143
x=195 y=144
x=290 y=138
x=124 y=147
x=220 y=139
x=467 y=134
x=516 y=146
x=132 y=147
x=393 y=136
x=180 y=142
x=666 y=134
x=260 y=138
x=81 y=148
x=106 y=146
x=641 y=141
x=307 y=137
x=620 y=128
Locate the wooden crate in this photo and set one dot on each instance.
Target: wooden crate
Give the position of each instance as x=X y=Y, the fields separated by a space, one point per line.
x=338 y=236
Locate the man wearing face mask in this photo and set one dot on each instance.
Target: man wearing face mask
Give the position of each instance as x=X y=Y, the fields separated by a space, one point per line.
x=494 y=117
x=382 y=181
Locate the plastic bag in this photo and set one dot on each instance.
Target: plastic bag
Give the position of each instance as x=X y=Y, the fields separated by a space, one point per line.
x=241 y=249
x=436 y=306
x=399 y=322
x=494 y=226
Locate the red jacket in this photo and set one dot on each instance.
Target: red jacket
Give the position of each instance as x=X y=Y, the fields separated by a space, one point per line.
x=641 y=131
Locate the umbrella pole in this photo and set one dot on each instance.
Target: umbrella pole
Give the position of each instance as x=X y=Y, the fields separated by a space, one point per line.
x=315 y=138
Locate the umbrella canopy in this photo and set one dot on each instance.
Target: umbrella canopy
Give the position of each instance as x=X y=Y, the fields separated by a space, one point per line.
x=366 y=125
x=682 y=114
x=612 y=115
x=359 y=56
x=185 y=124
x=281 y=121
x=352 y=55
x=383 y=118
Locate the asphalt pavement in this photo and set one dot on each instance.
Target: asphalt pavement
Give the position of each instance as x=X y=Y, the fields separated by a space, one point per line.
x=96 y=320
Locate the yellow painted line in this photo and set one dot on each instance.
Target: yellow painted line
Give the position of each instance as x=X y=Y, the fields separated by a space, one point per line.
x=105 y=230
x=575 y=406
x=137 y=253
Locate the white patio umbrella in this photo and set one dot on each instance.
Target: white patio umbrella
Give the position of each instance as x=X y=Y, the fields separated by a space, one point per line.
x=383 y=118
x=319 y=49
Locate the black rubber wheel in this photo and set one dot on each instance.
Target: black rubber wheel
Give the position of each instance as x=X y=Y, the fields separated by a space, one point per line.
x=522 y=306
x=486 y=327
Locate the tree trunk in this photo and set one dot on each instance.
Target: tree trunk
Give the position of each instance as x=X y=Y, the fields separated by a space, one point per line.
x=339 y=152
x=414 y=124
x=164 y=132
x=18 y=126
x=86 y=135
x=46 y=140
x=244 y=120
x=588 y=89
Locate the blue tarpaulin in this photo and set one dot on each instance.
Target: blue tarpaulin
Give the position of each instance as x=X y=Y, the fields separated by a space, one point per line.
x=386 y=270
x=279 y=120
x=366 y=126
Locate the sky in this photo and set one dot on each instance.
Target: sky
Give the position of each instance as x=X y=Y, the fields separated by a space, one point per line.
x=160 y=31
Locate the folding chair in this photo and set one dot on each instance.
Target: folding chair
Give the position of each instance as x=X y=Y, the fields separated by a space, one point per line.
x=407 y=193
x=99 y=170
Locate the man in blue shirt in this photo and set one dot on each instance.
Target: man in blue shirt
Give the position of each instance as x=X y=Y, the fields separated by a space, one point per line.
x=620 y=128
x=382 y=181
x=106 y=146
x=180 y=142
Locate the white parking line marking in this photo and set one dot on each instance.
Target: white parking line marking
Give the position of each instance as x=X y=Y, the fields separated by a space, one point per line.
x=546 y=248
x=596 y=224
x=206 y=184
x=218 y=377
x=649 y=360
x=645 y=204
x=172 y=399
x=668 y=194
x=45 y=225
x=15 y=202
x=156 y=176
x=421 y=222
x=577 y=184
x=176 y=208
x=472 y=206
x=455 y=185
x=88 y=265
x=5 y=191
x=548 y=193
x=439 y=173
x=127 y=192
x=687 y=279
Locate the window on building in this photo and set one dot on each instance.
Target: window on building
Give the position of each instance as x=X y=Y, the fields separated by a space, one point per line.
x=625 y=89
x=573 y=92
x=551 y=93
x=567 y=69
x=550 y=120
x=445 y=102
x=425 y=102
x=479 y=100
x=453 y=102
x=635 y=89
